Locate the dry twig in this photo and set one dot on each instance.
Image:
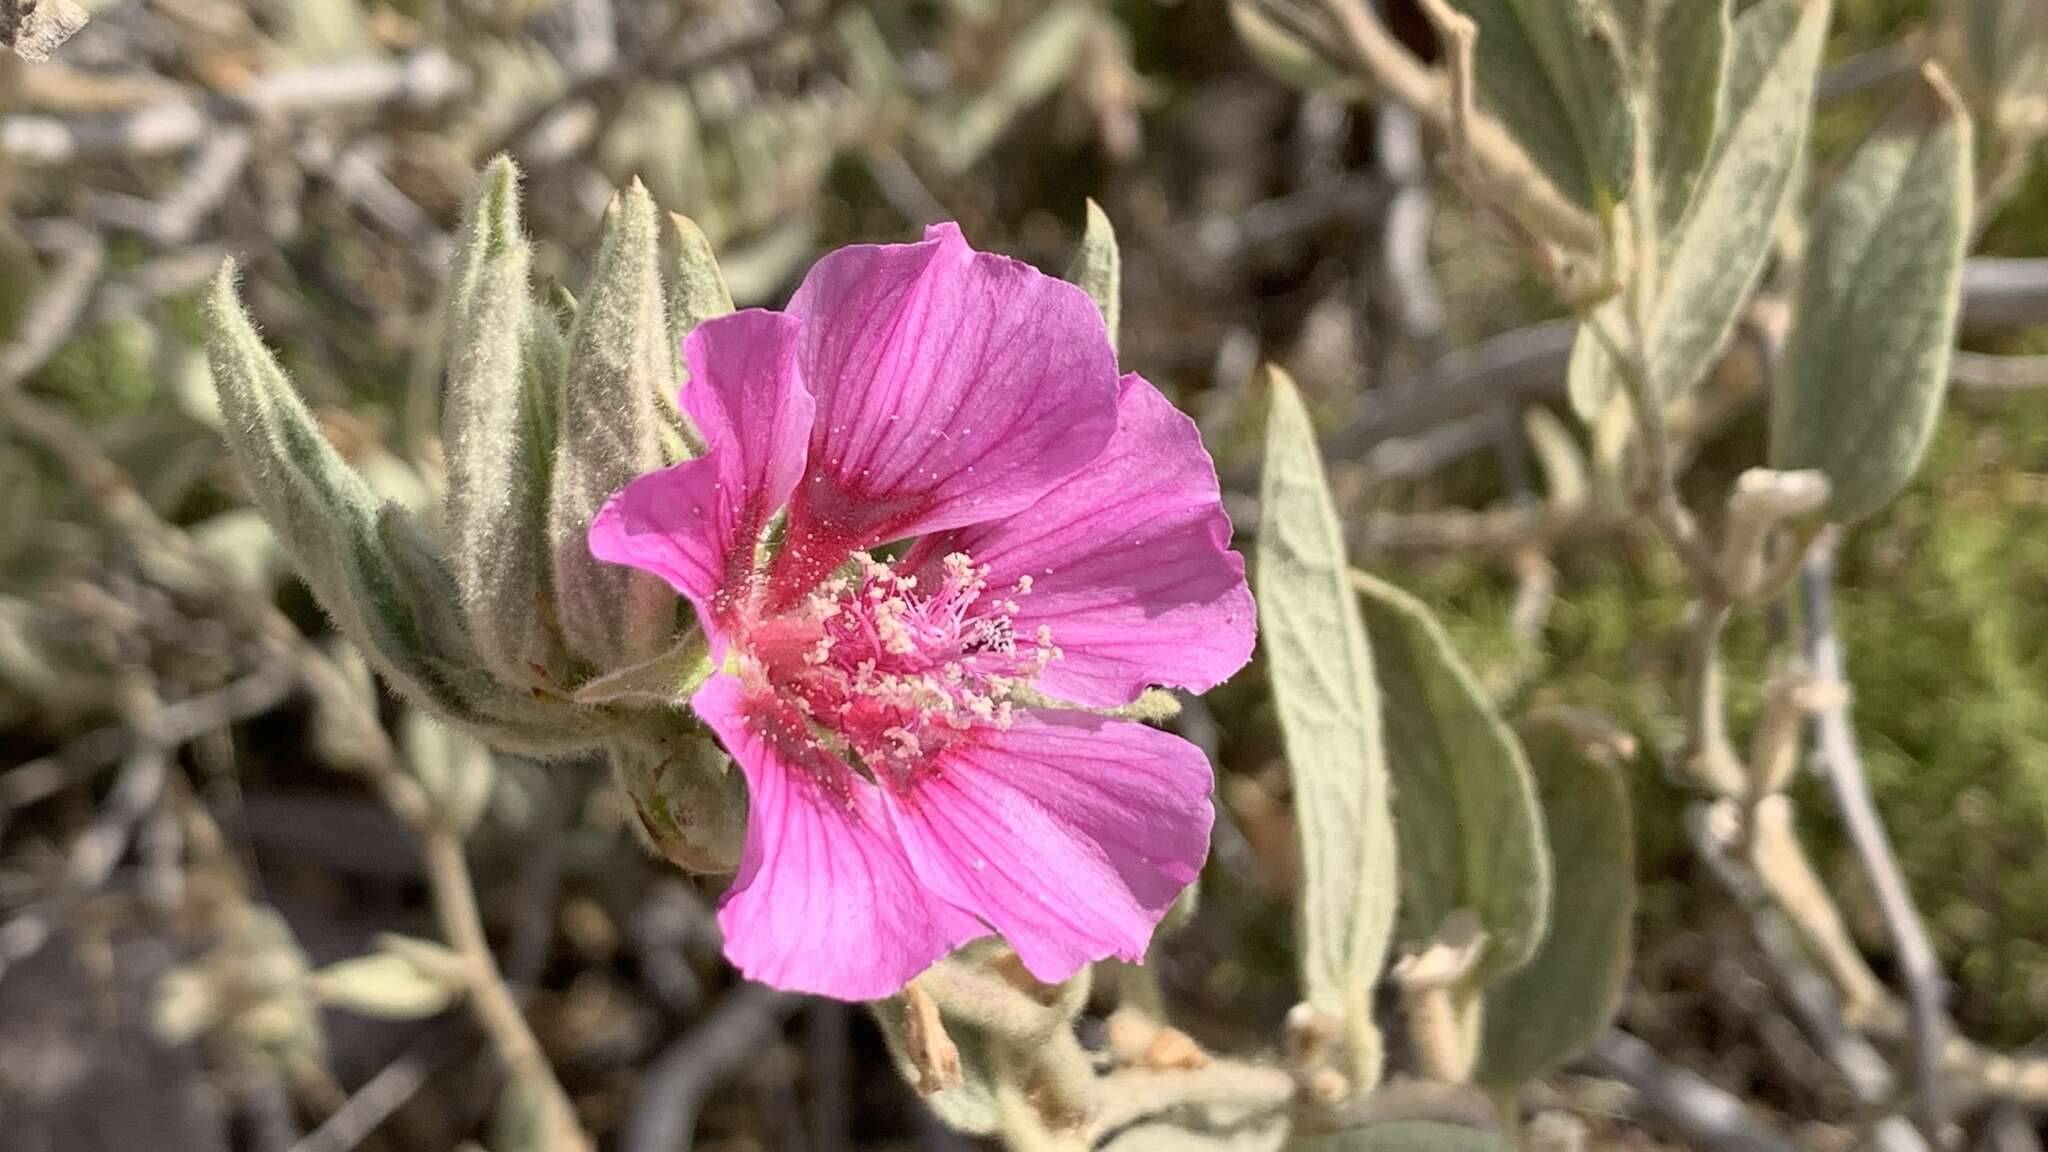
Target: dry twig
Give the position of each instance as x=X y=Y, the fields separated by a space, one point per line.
x=1842 y=766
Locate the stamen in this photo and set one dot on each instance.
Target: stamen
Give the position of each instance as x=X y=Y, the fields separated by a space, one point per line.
x=893 y=667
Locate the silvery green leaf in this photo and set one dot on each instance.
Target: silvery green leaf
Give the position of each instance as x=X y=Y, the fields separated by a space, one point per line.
x=990 y=1020
x=321 y=510
x=504 y=363
x=370 y=566
x=325 y=31
x=1591 y=378
x=185 y=1003
x=621 y=373
x=1324 y=686
x=1097 y=269
x=1715 y=258
x=1407 y=1136
x=453 y=769
x=688 y=802
x=1465 y=809
x=1556 y=1006
x=1680 y=47
x=242 y=546
x=1296 y=55
x=2005 y=52
x=699 y=291
x=489 y=229
x=1553 y=82
x=1712 y=260
x=1866 y=362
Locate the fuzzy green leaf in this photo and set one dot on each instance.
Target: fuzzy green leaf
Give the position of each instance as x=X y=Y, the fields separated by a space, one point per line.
x=384 y=584
x=322 y=511
x=1329 y=703
x=1680 y=49
x=1711 y=261
x=498 y=429
x=1715 y=258
x=1556 y=1006
x=613 y=422
x=1590 y=377
x=969 y=1106
x=2005 y=58
x=1465 y=809
x=1554 y=83
x=1866 y=363
x=1098 y=269
x=699 y=291
x=1562 y=461
x=988 y=1017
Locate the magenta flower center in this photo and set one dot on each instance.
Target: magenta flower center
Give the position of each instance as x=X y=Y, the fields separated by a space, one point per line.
x=891 y=668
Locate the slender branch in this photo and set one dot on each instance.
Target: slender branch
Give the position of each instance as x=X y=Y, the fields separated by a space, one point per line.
x=383 y=1094
x=665 y=1111
x=1704 y=1115
x=454 y=893
x=111 y=492
x=1811 y=995
x=177 y=723
x=1975 y=372
x=1673 y=519
x=1842 y=765
x=1459 y=35
x=1501 y=170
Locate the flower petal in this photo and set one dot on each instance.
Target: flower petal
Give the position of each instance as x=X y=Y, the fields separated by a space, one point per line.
x=953 y=386
x=696 y=524
x=824 y=901
x=1069 y=833
x=1130 y=564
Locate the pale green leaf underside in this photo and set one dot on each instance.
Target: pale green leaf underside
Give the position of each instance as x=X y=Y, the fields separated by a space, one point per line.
x=1556 y=87
x=1465 y=809
x=1557 y=1005
x=1323 y=684
x=1866 y=363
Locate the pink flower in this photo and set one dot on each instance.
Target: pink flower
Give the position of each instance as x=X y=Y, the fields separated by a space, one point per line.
x=913 y=730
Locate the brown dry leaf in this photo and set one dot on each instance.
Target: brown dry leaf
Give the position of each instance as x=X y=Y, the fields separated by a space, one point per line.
x=931 y=1050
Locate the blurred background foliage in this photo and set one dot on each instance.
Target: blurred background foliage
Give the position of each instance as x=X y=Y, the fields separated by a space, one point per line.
x=326 y=143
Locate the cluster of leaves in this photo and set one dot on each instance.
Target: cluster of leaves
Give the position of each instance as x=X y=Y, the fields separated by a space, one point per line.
x=506 y=626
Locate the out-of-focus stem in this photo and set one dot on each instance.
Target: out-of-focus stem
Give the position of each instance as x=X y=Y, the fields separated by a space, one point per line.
x=1500 y=170
x=496 y=1009
x=1843 y=765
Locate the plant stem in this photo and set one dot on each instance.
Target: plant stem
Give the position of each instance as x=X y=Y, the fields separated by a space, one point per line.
x=490 y=997
x=1835 y=742
x=1501 y=171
